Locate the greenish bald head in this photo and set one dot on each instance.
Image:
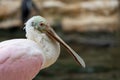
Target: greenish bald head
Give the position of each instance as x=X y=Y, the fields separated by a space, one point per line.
x=38 y=19
x=37 y=22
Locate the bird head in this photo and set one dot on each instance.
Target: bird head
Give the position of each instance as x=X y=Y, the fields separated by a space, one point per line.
x=40 y=24
x=37 y=22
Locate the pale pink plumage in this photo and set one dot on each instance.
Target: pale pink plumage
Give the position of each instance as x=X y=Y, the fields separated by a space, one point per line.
x=20 y=59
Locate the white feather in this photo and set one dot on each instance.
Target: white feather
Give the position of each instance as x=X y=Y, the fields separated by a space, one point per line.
x=51 y=49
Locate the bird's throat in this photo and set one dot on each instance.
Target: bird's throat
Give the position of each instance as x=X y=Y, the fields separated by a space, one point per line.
x=49 y=47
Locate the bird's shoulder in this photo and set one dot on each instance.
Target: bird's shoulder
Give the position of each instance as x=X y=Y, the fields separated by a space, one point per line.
x=17 y=48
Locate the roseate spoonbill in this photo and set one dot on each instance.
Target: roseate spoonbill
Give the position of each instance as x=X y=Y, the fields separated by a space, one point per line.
x=21 y=59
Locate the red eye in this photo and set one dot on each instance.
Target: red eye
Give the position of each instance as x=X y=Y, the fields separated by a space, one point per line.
x=41 y=24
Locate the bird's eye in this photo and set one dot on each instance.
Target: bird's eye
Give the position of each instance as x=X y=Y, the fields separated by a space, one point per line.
x=41 y=24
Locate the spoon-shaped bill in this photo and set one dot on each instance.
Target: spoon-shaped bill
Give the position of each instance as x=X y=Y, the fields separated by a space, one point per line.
x=50 y=32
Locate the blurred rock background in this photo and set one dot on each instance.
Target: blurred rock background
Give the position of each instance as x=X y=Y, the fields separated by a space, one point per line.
x=74 y=15
x=91 y=27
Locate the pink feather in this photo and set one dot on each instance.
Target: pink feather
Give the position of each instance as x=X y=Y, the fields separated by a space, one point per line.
x=20 y=59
